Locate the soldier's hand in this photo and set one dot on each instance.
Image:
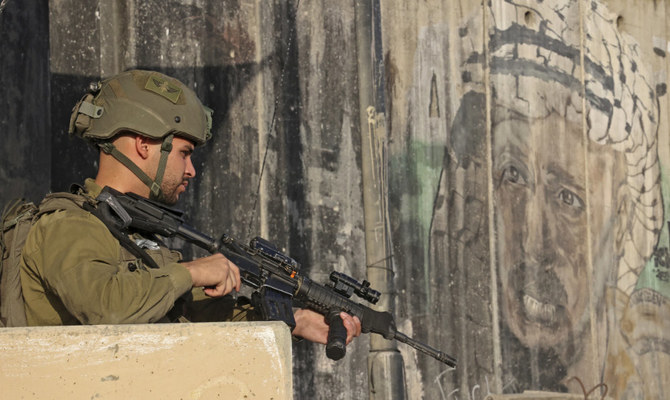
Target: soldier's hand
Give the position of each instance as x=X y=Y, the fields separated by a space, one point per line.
x=312 y=326
x=218 y=275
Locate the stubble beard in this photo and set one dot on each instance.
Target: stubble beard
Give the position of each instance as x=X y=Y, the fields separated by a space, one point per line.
x=170 y=192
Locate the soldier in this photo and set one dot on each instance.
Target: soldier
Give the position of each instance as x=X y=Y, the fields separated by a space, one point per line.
x=75 y=271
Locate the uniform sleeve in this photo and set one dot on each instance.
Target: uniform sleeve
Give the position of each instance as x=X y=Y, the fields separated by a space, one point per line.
x=79 y=261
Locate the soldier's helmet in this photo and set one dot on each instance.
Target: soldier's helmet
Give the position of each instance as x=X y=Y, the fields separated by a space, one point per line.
x=144 y=102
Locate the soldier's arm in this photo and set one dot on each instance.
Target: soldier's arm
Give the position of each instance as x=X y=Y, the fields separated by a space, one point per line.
x=79 y=261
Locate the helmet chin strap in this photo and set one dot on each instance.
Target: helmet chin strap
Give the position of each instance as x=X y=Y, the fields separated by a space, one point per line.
x=155 y=192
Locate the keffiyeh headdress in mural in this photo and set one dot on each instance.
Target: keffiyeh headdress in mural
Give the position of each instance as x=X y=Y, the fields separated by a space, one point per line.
x=532 y=52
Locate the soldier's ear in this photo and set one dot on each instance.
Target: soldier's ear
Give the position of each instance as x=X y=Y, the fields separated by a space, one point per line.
x=142 y=145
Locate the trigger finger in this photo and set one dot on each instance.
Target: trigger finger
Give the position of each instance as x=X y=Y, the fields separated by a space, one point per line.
x=357 y=324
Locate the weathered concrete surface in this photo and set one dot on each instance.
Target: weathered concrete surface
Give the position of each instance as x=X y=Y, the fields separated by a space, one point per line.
x=160 y=361
x=24 y=100
x=285 y=154
x=285 y=162
x=483 y=239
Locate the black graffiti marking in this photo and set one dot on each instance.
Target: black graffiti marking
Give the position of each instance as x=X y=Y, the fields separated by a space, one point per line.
x=663 y=276
x=518 y=34
x=647 y=296
x=517 y=67
x=662 y=257
x=662 y=264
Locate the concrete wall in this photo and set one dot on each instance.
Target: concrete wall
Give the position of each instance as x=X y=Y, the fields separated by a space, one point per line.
x=24 y=102
x=527 y=147
x=159 y=361
x=529 y=141
x=530 y=144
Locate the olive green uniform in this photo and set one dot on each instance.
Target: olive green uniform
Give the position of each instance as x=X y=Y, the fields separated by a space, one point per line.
x=74 y=271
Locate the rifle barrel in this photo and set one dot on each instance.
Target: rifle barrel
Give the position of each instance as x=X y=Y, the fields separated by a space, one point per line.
x=424 y=348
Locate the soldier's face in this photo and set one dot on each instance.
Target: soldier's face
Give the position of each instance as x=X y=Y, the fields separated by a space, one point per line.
x=540 y=196
x=178 y=171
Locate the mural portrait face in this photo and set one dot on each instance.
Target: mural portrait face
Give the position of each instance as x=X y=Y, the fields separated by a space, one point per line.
x=574 y=187
x=540 y=185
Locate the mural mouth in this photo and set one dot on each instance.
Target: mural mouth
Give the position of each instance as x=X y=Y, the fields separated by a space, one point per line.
x=539 y=296
x=537 y=311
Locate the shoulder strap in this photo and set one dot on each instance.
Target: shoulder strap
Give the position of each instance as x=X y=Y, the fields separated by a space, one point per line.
x=62 y=201
x=76 y=199
x=103 y=213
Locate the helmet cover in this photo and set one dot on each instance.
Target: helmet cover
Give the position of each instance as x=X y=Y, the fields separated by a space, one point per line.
x=144 y=102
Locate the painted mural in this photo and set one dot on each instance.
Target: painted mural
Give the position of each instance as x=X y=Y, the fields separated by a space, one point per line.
x=551 y=201
x=528 y=179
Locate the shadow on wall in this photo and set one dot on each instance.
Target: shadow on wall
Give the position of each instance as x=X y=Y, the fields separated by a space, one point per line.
x=24 y=97
x=74 y=160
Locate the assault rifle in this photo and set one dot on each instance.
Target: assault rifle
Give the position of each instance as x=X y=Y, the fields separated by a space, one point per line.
x=272 y=275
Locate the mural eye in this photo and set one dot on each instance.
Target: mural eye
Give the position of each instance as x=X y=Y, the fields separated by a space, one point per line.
x=570 y=199
x=512 y=174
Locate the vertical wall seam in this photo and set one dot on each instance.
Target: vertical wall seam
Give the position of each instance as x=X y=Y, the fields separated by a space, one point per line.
x=261 y=123
x=130 y=57
x=587 y=201
x=497 y=353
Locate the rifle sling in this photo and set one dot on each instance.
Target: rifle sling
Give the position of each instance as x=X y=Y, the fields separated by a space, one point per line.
x=123 y=239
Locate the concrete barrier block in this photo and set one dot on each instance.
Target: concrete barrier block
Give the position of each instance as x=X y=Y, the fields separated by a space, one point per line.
x=157 y=361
